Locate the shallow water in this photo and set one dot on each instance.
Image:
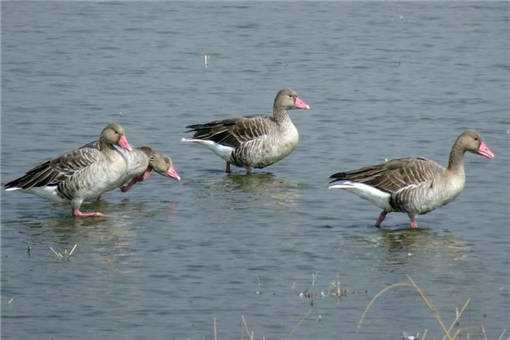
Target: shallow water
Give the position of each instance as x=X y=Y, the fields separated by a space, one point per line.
x=384 y=80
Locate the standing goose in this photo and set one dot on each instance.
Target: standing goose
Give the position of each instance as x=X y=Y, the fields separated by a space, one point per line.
x=82 y=174
x=141 y=163
x=252 y=141
x=413 y=185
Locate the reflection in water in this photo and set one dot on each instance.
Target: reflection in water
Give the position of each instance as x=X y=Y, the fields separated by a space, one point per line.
x=423 y=240
x=401 y=245
x=260 y=186
x=103 y=239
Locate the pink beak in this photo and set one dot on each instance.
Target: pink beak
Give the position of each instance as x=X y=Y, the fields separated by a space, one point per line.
x=123 y=143
x=300 y=104
x=172 y=173
x=484 y=151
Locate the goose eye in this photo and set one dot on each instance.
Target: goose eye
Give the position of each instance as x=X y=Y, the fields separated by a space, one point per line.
x=476 y=138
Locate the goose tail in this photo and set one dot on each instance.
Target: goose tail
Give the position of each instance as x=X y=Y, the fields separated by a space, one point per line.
x=377 y=197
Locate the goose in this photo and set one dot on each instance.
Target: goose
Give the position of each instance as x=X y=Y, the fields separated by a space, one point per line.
x=142 y=161
x=82 y=174
x=414 y=186
x=252 y=141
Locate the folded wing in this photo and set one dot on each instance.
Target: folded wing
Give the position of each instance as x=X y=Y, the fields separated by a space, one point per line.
x=232 y=132
x=56 y=170
x=393 y=175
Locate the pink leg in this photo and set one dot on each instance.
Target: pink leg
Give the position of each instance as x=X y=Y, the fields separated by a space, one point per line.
x=78 y=213
x=381 y=218
x=135 y=180
x=413 y=224
x=146 y=174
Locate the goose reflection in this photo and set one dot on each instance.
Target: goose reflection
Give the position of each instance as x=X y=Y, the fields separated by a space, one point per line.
x=261 y=187
x=102 y=239
x=263 y=182
x=402 y=244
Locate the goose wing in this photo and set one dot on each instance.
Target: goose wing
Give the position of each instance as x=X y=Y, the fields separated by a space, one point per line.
x=232 y=132
x=393 y=175
x=56 y=170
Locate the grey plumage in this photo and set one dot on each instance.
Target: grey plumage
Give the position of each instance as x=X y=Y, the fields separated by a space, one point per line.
x=413 y=185
x=82 y=174
x=253 y=141
x=405 y=179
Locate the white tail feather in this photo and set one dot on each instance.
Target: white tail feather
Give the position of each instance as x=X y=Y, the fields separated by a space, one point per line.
x=48 y=192
x=222 y=151
x=374 y=195
x=188 y=140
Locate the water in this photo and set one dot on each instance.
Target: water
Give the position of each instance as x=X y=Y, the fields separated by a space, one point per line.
x=384 y=80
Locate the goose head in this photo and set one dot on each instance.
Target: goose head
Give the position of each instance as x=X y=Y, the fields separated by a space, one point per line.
x=288 y=99
x=470 y=140
x=114 y=134
x=161 y=163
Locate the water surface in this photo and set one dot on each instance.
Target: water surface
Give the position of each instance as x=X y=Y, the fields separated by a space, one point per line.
x=384 y=80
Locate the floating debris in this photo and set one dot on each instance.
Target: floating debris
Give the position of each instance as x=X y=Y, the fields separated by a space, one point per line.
x=337 y=290
x=29 y=248
x=259 y=286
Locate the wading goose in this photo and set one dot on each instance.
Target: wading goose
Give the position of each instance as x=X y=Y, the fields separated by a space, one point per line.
x=252 y=141
x=142 y=161
x=82 y=174
x=413 y=185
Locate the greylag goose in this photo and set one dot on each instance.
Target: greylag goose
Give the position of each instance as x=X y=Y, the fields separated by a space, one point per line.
x=413 y=185
x=141 y=163
x=252 y=141
x=82 y=174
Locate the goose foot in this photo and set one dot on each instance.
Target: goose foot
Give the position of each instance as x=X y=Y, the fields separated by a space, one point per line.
x=227 y=168
x=413 y=224
x=78 y=213
x=380 y=219
x=248 y=170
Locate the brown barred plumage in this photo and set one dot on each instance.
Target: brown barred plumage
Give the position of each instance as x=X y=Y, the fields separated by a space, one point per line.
x=84 y=173
x=413 y=185
x=256 y=141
